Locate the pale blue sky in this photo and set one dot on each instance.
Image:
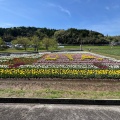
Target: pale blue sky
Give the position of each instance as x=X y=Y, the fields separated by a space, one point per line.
x=98 y=15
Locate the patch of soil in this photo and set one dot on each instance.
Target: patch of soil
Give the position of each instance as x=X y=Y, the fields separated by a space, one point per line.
x=61 y=84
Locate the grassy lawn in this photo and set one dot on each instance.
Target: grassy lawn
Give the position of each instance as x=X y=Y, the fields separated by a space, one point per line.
x=103 y=50
x=13 y=50
x=106 y=50
x=50 y=93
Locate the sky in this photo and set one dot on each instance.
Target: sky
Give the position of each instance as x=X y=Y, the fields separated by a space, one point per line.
x=98 y=15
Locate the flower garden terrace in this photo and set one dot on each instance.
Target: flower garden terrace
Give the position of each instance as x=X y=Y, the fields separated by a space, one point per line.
x=77 y=60
x=70 y=64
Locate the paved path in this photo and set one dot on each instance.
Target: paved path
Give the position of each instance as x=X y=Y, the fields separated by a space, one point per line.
x=58 y=112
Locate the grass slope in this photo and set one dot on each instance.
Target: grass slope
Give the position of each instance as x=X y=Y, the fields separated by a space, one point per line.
x=59 y=88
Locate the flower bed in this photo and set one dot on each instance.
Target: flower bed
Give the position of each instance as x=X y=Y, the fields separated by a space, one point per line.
x=58 y=73
x=63 y=65
x=78 y=60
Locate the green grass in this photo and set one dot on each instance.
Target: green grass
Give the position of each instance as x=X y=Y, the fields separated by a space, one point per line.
x=11 y=92
x=102 y=50
x=13 y=50
x=50 y=93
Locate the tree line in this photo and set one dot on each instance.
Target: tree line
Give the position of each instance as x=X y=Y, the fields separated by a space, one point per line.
x=37 y=36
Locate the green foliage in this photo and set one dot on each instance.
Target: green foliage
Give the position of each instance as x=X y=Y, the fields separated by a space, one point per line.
x=35 y=42
x=2 y=44
x=49 y=42
x=69 y=36
x=75 y=36
x=1 y=41
x=60 y=36
x=23 y=41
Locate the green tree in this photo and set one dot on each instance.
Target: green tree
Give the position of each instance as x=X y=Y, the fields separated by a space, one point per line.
x=60 y=36
x=23 y=41
x=1 y=43
x=36 y=42
x=40 y=34
x=49 y=42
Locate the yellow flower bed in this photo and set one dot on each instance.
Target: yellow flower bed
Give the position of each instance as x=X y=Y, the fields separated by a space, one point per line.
x=57 y=71
x=69 y=56
x=84 y=57
x=100 y=59
x=48 y=57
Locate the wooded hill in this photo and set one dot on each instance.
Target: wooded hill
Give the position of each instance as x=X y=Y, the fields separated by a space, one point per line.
x=69 y=36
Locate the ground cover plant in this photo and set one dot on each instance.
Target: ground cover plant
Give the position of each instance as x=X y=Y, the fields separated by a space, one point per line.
x=59 y=65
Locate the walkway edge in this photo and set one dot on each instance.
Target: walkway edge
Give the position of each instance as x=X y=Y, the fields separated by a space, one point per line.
x=59 y=101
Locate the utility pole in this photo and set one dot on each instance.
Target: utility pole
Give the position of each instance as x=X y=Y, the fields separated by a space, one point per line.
x=81 y=45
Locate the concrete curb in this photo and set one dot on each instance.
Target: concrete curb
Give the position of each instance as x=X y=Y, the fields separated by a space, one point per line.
x=59 y=101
